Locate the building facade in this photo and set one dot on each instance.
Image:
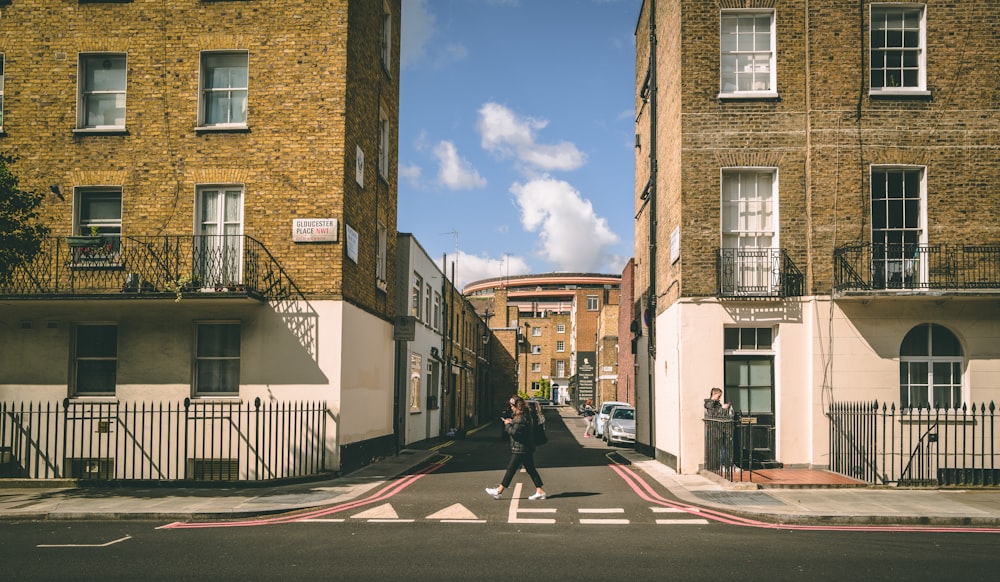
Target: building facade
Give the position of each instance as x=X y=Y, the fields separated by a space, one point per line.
x=221 y=182
x=816 y=217
x=552 y=320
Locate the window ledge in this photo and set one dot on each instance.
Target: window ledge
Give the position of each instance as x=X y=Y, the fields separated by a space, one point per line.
x=222 y=129
x=751 y=95
x=92 y=398
x=100 y=131
x=899 y=94
x=208 y=400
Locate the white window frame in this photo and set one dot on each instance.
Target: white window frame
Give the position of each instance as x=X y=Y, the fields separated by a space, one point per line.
x=896 y=259
x=536 y=367
x=536 y=332
x=878 y=39
x=560 y=346
x=560 y=328
x=730 y=81
x=235 y=91
x=216 y=357
x=749 y=223
x=220 y=237
x=536 y=349
x=560 y=368
x=383 y=144
x=428 y=299
x=416 y=295
x=436 y=321
x=592 y=303
x=381 y=251
x=92 y=356
x=909 y=382
x=385 y=48
x=87 y=62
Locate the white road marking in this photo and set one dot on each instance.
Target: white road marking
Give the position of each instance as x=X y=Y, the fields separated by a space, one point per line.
x=112 y=542
x=604 y=521
x=384 y=511
x=390 y=521
x=682 y=522
x=463 y=521
x=666 y=510
x=607 y=510
x=512 y=513
x=454 y=512
x=322 y=520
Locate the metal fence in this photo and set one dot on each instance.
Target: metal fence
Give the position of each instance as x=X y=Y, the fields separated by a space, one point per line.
x=886 y=445
x=867 y=266
x=193 y=441
x=720 y=439
x=734 y=441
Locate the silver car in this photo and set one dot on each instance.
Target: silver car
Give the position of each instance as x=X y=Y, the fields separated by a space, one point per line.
x=620 y=426
x=602 y=415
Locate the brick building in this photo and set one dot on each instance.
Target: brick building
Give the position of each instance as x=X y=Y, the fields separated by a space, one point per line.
x=555 y=319
x=221 y=182
x=818 y=181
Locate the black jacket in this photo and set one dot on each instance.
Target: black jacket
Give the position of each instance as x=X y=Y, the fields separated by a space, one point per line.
x=522 y=433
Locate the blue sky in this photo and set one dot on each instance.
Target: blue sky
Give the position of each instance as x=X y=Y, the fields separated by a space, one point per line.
x=517 y=134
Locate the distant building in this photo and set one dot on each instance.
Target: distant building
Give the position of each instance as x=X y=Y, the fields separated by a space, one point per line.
x=551 y=322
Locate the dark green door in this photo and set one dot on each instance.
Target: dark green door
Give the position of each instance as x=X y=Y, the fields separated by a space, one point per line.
x=750 y=390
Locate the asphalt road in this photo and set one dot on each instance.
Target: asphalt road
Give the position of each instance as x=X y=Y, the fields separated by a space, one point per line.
x=603 y=521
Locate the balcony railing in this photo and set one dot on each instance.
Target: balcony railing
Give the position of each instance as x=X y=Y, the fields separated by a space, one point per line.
x=878 y=267
x=168 y=265
x=747 y=273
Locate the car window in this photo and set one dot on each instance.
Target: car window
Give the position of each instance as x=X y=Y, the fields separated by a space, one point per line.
x=624 y=413
x=607 y=406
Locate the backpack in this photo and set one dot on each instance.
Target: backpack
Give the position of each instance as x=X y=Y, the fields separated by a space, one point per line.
x=540 y=436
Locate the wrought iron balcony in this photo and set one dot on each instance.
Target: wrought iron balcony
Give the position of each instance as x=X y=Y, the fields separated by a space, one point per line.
x=234 y=265
x=757 y=273
x=905 y=267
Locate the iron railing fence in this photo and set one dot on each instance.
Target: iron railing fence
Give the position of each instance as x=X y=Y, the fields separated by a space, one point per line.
x=868 y=266
x=142 y=441
x=749 y=273
x=167 y=264
x=734 y=445
x=885 y=445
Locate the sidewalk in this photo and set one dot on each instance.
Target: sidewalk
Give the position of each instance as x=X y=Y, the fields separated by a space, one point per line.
x=841 y=506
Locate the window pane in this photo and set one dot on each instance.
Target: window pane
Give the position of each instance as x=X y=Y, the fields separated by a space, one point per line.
x=944 y=343
x=915 y=342
x=103 y=206
x=104 y=73
x=760 y=373
x=218 y=375
x=96 y=376
x=732 y=338
x=219 y=340
x=97 y=341
x=760 y=400
x=764 y=338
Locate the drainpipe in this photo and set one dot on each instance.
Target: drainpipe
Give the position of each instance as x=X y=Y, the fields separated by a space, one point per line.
x=651 y=189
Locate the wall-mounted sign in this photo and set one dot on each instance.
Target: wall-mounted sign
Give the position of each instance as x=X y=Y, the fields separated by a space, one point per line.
x=675 y=245
x=352 y=242
x=314 y=230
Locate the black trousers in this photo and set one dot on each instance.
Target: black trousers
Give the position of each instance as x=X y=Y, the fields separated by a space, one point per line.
x=517 y=460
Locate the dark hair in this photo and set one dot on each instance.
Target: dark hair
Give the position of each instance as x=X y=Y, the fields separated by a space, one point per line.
x=519 y=406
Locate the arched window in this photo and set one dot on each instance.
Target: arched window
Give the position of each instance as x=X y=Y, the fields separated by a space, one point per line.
x=930 y=368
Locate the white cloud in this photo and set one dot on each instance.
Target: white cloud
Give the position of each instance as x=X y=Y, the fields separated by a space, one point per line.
x=471 y=268
x=410 y=173
x=572 y=236
x=451 y=53
x=417 y=26
x=455 y=172
x=506 y=134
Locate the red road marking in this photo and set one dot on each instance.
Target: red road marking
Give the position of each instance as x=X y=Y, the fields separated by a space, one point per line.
x=382 y=494
x=643 y=490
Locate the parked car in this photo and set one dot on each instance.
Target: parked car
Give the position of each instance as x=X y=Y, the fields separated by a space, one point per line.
x=602 y=415
x=620 y=426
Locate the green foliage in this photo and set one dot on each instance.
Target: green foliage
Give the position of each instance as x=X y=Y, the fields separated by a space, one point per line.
x=21 y=233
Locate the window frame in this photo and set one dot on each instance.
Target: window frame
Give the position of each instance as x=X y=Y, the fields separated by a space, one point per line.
x=198 y=359
x=593 y=303
x=83 y=92
x=383 y=144
x=920 y=89
x=416 y=378
x=77 y=359
x=385 y=39
x=772 y=89
x=381 y=252
x=536 y=367
x=907 y=364
x=203 y=90
x=416 y=295
x=560 y=345
x=560 y=328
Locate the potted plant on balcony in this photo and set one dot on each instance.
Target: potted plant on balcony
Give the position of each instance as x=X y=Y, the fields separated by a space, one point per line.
x=79 y=241
x=92 y=247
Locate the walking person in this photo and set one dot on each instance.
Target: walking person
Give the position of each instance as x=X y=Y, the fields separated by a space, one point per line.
x=522 y=449
x=589 y=414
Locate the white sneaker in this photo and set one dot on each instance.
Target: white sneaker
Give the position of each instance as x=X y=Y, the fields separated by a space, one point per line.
x=535 y=497
x=493 y=492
